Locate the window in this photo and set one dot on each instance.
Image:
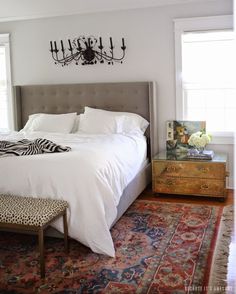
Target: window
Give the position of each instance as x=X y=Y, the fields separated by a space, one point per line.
x=205 y=82
x=6 y=113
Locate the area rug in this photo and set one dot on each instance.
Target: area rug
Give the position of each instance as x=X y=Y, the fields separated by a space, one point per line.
x=161 y=248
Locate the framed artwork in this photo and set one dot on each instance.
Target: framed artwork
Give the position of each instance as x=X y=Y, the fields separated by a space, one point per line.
x=178 y=133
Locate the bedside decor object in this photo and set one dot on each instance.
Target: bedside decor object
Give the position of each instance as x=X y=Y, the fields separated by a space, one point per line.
x=179 y=132
x=85 y=50
x=203 y=154
x=199 y=140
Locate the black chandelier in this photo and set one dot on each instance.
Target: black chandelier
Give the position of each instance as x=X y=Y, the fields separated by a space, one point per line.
x=85 y=50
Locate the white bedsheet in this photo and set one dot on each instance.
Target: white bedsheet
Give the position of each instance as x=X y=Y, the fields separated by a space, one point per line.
x=91 y=178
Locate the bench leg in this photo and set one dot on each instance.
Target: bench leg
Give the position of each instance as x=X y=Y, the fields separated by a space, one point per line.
x=41 y=252
x=65 y=231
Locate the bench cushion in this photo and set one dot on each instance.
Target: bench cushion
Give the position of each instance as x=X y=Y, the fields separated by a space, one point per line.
x=29 y=211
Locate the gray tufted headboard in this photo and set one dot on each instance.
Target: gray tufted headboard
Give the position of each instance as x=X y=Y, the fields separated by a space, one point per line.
x=137 y=97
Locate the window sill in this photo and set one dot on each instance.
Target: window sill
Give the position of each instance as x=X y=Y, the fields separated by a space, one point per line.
x=222 y=140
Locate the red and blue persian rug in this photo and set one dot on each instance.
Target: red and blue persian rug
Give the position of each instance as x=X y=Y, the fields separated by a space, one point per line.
x=160 y=248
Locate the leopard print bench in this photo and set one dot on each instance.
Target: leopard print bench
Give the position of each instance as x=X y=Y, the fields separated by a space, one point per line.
x=32 y=214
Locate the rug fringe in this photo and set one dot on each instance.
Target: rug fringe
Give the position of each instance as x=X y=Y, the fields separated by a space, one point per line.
x=218 y=275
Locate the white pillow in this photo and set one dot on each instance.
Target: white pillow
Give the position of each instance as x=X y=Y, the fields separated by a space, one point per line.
x=58 y=123
x=99 y=122
x=103 y=121
x=76 y=124
x=29 y=122
x=134 y=123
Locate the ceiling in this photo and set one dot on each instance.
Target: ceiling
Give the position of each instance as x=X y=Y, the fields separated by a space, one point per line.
x=29 y=9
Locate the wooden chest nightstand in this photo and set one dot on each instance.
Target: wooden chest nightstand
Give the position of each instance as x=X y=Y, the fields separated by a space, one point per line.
x=175 y=174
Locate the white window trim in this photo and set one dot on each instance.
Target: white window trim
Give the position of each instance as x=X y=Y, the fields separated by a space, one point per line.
x=182 y=25
x=5 y=40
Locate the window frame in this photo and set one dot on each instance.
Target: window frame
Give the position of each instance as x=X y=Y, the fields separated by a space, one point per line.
x=5 y=41
x=182 y=25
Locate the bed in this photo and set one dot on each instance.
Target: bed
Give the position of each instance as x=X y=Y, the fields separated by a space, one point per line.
x=135 y=97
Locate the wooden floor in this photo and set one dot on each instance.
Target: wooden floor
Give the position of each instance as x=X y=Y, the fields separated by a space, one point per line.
x=148 y=194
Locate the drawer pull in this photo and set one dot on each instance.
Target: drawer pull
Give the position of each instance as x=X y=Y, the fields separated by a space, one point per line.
x=170 y=168
x=204 y=187
x=169 y=183
x=204 y=169
x=227 y=174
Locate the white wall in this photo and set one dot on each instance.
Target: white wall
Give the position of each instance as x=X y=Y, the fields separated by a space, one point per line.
x=149 y=37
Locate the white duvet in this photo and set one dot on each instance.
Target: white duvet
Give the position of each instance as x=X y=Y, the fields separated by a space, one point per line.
x=91 y=178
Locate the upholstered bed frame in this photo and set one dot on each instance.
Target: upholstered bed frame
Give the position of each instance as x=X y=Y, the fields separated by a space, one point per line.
x=136 y=97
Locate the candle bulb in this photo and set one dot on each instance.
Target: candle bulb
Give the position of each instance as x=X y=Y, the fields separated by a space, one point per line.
x=70 y=45
x=111 y=42
x=62 y=47
x=55 y=45
x=100 y=41
x=123 y=42
x=51 y=46
x=78 y=43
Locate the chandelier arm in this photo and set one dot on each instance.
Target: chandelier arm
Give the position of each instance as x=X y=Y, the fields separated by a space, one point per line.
x=77 y=56
x=67 y=59
x=55 y=58
x=98 y=56
x=104 y=56
x=110 y=58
